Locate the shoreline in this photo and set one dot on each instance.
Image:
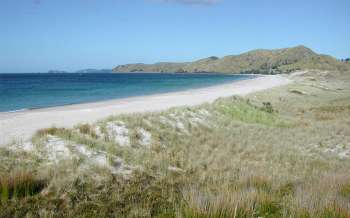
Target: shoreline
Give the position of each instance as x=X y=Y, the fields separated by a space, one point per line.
x=21 y=125
x=134 y=96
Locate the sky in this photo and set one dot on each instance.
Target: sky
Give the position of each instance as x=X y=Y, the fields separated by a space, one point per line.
x=41 y=35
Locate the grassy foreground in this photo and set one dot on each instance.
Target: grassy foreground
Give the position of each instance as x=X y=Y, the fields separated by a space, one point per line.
x=284 y=152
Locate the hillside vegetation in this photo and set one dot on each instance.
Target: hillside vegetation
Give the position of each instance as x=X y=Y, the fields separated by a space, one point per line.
x=256 y=61
x=282 y=152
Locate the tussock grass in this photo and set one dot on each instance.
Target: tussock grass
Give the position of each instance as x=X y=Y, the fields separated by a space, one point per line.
x=53 y=131
x=345 y=190
x=19 y=184
x=87 y=129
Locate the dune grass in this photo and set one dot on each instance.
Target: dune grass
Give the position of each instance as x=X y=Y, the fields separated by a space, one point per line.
x=18 y=185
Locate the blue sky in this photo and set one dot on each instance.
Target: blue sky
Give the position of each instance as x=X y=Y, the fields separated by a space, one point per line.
x=39 y=35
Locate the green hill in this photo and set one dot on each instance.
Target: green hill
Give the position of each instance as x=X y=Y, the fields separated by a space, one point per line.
x=256 y=61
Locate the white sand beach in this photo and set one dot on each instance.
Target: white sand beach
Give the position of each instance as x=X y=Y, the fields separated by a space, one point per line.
x=19 y=126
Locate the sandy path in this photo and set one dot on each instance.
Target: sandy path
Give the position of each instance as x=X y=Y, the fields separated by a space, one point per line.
x=21 y=125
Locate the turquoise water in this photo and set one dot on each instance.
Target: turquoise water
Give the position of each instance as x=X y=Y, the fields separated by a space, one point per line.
x=39 y=90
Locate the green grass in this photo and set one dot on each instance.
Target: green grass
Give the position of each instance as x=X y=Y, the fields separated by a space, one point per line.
x=248 y=113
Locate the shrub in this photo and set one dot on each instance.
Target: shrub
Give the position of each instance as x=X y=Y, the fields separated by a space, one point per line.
x=267 y=106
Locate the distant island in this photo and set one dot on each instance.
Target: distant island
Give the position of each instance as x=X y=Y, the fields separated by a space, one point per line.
x=93 y=71
x=259 y=61
x=57 y=71
x=89 y=70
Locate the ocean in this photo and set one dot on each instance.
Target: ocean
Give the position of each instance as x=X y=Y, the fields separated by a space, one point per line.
x=39 y=90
